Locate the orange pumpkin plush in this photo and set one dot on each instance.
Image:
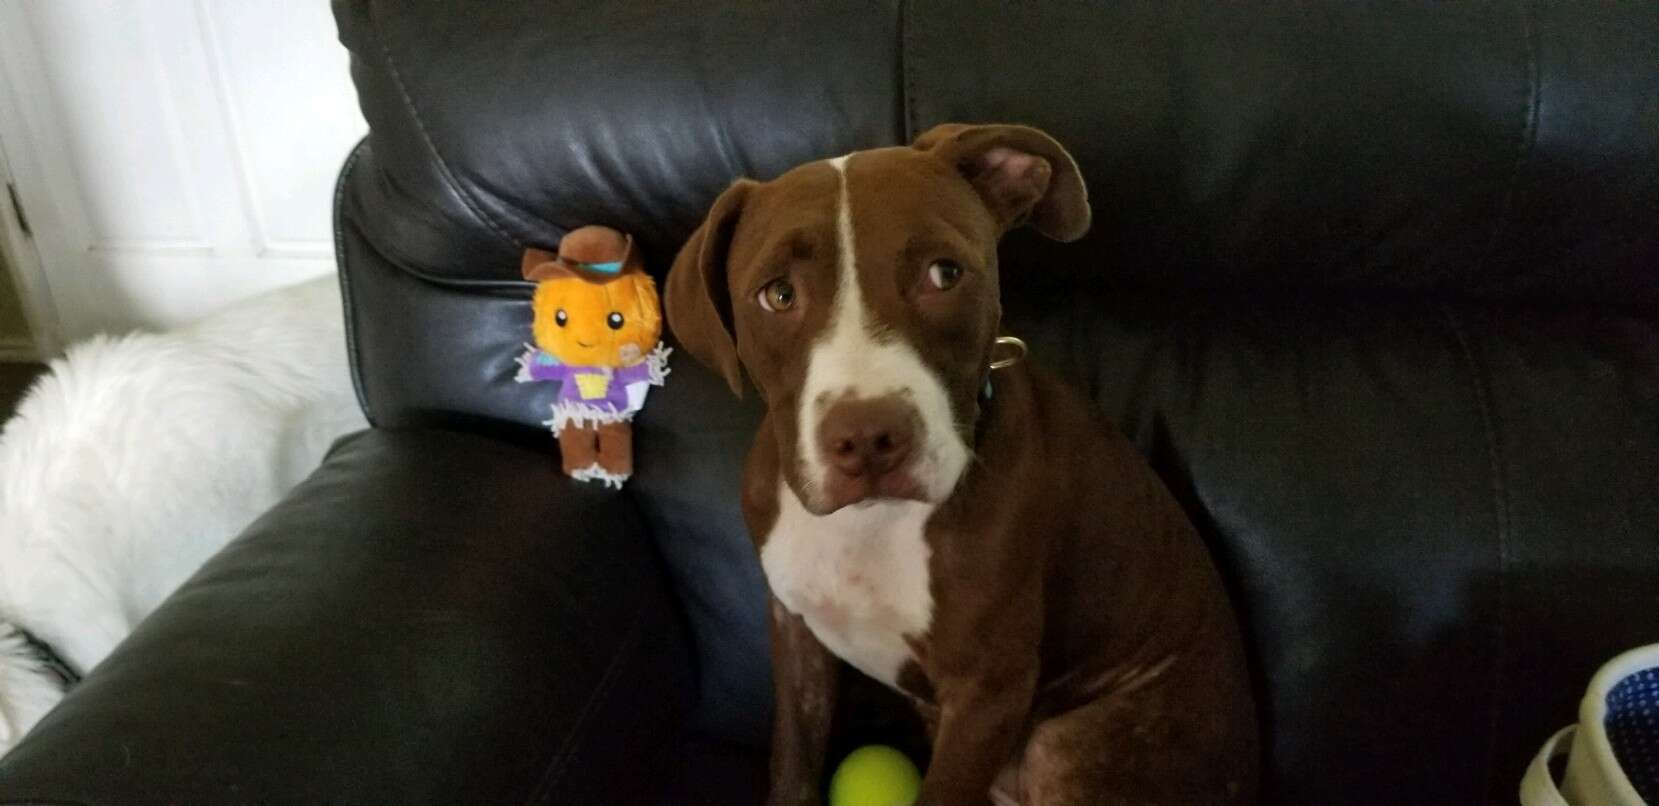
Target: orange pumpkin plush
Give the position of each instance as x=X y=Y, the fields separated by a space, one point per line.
x=596 y=327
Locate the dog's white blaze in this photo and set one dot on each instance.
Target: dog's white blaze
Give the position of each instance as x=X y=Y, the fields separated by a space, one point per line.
x=858 y=577
x=850 y=360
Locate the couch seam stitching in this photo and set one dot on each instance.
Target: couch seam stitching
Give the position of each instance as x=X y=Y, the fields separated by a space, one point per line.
x=1500 y=514
x=567 y=750
x=420 y=128
x=350 y=312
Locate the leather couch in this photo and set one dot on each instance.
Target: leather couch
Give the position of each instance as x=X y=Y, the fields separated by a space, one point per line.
x=1374 y=286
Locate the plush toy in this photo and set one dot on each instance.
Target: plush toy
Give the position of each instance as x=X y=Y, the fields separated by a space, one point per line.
x=596 y=324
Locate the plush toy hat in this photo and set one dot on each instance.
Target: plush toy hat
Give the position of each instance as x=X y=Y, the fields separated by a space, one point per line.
x=592 y=253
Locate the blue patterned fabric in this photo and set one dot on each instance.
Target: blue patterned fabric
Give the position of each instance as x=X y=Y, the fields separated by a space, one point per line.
x=1633 y=729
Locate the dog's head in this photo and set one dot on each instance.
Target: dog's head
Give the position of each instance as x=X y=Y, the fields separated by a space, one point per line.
x=861 y=296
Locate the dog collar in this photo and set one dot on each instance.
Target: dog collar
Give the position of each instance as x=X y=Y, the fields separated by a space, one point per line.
x=984 y=418
x=1014 y=351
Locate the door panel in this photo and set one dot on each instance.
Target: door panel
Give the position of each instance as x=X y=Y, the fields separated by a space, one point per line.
x=173 y=155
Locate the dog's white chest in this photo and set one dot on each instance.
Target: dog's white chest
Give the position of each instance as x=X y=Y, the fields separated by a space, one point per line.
x=858 y=577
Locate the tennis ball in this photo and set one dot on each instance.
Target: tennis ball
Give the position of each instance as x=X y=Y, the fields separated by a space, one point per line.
x=875 y=775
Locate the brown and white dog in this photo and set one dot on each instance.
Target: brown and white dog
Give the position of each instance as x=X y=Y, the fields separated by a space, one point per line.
x=982 y=542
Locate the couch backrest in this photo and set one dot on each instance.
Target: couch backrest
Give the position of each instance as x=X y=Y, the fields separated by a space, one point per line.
x=1374 y=287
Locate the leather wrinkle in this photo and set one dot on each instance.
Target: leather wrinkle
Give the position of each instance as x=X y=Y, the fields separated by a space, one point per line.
x=438 y=161
x=1526 y=140
x=568 y=749
x=1500 y=514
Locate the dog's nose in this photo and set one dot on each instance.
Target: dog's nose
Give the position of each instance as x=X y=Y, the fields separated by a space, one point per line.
x=867 y=437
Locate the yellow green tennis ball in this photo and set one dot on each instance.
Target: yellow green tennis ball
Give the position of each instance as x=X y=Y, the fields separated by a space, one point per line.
x=875 y=775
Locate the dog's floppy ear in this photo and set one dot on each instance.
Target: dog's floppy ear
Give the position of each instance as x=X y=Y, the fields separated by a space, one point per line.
x=696 y=297
x=1022 y=174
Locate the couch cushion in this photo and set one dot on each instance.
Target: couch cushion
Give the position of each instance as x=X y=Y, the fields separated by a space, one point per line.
x=1437 y=520
x=711 y=772
x=1495 y=150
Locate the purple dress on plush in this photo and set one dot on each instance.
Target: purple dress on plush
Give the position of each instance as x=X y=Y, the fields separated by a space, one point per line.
x=594 y=394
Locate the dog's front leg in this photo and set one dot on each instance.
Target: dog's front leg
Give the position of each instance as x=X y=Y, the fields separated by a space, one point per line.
x=804 y=676
x=979 y=722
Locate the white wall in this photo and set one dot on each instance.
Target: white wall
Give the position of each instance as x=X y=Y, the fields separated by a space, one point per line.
x=172 y=155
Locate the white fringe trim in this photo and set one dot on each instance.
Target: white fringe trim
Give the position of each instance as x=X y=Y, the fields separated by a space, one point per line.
x=581 y=415
x=657 y=363
x=523 y=362
x=594 y=472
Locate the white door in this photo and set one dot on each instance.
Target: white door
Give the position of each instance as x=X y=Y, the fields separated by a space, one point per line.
x=172 y=155
x=28 y=325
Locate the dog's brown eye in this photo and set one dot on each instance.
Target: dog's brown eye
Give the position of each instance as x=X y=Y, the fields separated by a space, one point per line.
x=777 y=296
x=944 y=274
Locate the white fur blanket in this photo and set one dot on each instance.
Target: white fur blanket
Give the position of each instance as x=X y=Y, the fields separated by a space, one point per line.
x=136 y=458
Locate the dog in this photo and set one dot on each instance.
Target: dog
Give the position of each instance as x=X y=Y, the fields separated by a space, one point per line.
x=980 y=541
x=134 y=459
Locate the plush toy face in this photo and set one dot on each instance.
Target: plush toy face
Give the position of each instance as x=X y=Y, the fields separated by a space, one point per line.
x=609 y=324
